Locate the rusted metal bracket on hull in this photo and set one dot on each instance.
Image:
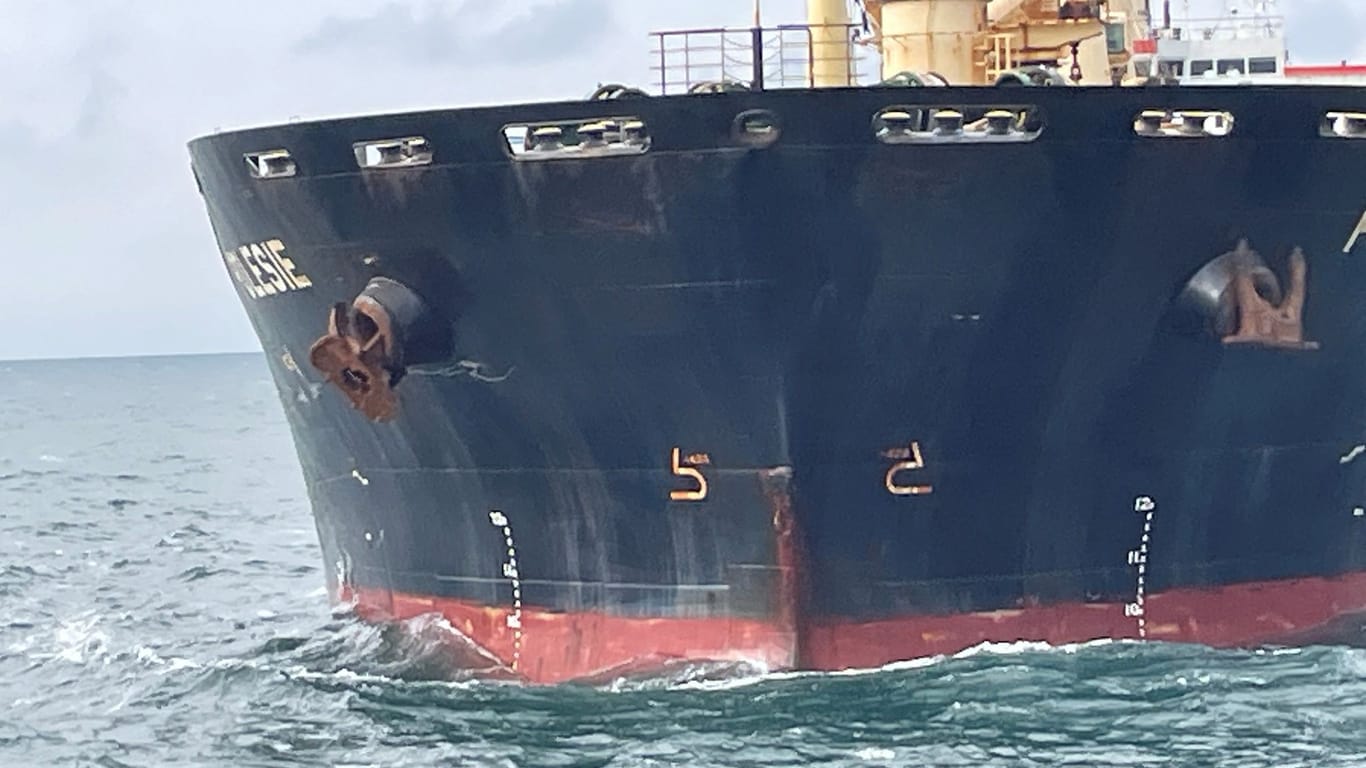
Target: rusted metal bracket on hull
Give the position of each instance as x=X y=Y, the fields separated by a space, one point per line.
x=368 y=346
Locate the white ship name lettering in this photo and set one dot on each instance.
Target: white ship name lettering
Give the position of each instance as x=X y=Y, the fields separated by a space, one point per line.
x=263 y=269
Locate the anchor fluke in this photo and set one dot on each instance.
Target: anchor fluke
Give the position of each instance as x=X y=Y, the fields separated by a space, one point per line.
x=1241 y=301
x=370 y=344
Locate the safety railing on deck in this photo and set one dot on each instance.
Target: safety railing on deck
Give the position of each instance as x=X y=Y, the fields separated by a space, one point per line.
x=1224 y=28
x=786 y=56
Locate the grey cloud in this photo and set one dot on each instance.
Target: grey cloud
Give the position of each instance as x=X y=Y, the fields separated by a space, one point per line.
x=551 y=32
x=16 y=134
x=97 y=108
x=395 y=29
x=92 y=65
x=437 y=33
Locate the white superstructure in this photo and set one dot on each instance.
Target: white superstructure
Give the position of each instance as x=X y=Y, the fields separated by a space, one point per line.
x=1246 y=45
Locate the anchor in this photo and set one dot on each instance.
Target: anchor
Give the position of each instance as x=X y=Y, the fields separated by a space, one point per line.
x=370 y=344
x=1238 y=299
x=1263 y=322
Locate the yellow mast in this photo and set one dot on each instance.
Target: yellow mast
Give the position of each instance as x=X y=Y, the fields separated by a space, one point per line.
x=831 y=57
x=974 y=41
x=932 y=36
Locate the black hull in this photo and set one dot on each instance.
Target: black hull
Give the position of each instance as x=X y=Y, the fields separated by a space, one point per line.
x=807 y=314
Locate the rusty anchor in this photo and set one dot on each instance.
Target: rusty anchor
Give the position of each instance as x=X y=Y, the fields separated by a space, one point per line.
x=1262 y=321
x=354 y=357
x=1238 y=299
x=368 y=345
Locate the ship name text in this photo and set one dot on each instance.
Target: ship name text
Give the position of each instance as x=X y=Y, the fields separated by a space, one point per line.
x=264 y=269
x=1357 y=234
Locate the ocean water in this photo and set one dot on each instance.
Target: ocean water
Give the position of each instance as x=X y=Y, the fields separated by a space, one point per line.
x=161 y=604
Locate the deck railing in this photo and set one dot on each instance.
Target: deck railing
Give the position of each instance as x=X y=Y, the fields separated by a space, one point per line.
x=785 y=56
x=1224 y=28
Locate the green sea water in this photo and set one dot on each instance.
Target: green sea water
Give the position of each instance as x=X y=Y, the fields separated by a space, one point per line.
x=161 y=604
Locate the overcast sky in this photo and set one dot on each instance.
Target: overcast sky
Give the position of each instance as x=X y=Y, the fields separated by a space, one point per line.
x=106 y=246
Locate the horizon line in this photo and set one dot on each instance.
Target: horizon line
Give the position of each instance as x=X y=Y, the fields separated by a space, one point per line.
x=132 y=356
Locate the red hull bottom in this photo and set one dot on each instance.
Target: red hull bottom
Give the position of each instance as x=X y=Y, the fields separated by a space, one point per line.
x=549 y=647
